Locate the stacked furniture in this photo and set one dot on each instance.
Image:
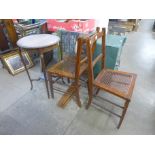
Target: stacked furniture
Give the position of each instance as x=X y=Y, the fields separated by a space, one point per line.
x=80 y=60
x=114 y=45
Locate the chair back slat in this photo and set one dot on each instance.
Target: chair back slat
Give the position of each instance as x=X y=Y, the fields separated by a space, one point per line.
x=98 y=58
x=83 y=60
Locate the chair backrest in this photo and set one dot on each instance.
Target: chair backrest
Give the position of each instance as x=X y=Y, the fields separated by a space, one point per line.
x=3 y=40
x=91 y=45
x=11 y=31
x=68 y=42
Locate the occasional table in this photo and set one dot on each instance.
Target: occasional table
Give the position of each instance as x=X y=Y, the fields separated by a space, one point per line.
x=41 y=43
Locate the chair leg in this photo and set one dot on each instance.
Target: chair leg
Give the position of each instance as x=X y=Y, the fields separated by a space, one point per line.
x=77 y=94
x=63 y=80
x=51 y=85
x=68 y=79
x=89 y=101
x=90 y=96
x=97 y=91
x=123 y=114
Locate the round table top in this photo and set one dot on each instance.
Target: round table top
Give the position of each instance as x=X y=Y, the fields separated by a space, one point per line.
x=37 y=41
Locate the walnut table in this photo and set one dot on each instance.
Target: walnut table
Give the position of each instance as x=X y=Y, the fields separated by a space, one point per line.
x=38 y=42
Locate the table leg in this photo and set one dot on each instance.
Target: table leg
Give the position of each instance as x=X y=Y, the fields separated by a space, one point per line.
x=20 y=53
x=44 y=71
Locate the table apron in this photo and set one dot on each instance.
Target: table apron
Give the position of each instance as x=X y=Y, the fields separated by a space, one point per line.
x=42 y=50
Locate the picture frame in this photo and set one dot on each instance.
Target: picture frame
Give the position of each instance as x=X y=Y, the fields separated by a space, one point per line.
x=14 y=64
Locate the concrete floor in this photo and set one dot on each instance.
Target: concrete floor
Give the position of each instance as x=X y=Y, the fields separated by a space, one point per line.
x=23 y=111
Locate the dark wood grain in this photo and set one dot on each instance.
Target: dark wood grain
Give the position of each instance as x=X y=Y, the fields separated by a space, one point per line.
x=3 y=40
x=13 y=37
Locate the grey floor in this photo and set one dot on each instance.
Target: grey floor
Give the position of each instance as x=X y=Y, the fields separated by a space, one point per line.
x=23 y=111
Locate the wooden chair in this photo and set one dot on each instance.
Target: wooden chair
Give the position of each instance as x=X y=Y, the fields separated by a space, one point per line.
x=70 y=67
x=115 y=82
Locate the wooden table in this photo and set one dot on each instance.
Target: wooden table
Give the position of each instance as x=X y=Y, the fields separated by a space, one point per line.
x=38 y=42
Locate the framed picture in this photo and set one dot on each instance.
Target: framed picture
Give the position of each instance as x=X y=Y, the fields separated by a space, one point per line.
x=14 y=64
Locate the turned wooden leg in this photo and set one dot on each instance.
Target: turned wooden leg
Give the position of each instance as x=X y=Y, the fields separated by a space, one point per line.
x=51 y=85
x=90 y=95
x=68 y=79
x=44 y=71
x=22 y=59
x=77 y=94
x=63 y=80
x=89 y=100
x=123 y=114
x=97 y=91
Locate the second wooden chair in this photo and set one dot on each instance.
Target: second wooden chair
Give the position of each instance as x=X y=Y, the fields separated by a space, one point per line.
x=118 y=83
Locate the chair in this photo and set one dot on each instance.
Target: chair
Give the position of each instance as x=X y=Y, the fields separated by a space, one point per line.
x=71 y=67
x=118 y=83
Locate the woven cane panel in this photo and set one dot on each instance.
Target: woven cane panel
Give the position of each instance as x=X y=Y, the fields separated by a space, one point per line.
x=120 y=82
